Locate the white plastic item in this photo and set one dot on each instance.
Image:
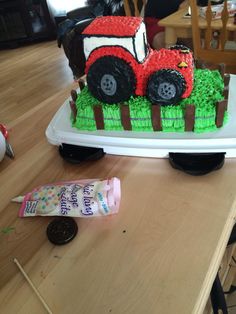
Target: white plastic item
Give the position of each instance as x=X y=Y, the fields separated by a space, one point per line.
x=217 y=9
x=147 y=144
x=2 y=146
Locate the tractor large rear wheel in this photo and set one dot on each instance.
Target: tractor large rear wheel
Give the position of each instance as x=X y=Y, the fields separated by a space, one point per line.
x=111 y=80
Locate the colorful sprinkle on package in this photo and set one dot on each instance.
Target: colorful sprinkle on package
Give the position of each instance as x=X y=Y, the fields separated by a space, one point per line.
x=81 y=198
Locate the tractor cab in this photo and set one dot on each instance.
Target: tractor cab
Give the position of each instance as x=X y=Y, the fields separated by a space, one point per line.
x=125 y=33
x=120 y=64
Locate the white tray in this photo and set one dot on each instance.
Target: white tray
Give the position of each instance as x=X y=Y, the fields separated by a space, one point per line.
x=147 y=144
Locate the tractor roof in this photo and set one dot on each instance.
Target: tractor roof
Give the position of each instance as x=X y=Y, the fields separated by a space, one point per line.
x=117 y=26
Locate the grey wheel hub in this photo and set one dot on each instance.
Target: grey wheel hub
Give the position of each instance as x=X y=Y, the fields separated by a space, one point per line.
x=108 y=84
x=166 y=90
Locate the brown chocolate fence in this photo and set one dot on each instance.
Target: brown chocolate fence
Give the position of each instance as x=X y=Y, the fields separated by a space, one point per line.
x=189 y=117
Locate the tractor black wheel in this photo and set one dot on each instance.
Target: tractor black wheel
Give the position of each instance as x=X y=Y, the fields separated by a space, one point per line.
x=184 y=48
x=165 y=87
x=111 y=80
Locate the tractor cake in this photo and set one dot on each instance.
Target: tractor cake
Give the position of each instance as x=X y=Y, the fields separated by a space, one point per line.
x=131 y=87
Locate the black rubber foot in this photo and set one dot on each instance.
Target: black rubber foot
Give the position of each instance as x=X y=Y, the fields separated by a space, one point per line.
x=197 y=164
x=77 y=154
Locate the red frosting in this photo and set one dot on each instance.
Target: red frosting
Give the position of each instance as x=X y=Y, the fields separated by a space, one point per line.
x=120 y=26
x=117 y=26
x=156 y=60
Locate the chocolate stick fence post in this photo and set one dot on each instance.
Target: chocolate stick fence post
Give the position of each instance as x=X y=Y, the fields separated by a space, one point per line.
x=98 y=116
x=226 y=86
x=74 y=95
x=73 y=110
x=222 y=69
x=72 y=102
x=221 y=106
x=156 y=117
x=81 y=82
x=189 y=117
x=125 y=117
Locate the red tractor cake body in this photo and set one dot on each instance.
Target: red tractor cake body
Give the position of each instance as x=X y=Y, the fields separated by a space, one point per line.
x=119 y=63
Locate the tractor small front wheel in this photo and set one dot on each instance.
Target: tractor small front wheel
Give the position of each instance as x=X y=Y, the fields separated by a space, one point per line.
x=165 y=87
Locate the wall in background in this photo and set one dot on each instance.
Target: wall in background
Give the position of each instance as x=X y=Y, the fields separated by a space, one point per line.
x=61 y=7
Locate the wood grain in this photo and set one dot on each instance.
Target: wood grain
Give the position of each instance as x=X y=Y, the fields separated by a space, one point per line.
x=159 y=254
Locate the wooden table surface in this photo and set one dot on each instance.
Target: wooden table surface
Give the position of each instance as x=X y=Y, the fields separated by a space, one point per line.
x=176 y=26
x=159 y=254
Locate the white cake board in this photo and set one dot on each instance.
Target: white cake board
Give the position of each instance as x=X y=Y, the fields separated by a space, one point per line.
x=147 y=144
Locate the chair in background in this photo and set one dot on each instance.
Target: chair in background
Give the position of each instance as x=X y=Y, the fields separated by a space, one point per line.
x=212 y=46
x=134 y=7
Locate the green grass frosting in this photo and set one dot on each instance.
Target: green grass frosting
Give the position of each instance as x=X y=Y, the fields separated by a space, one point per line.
x=208 y=89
